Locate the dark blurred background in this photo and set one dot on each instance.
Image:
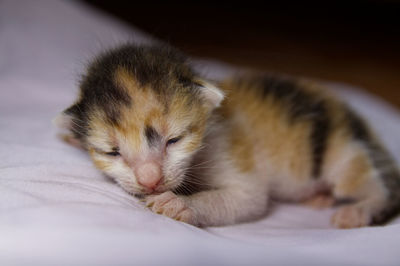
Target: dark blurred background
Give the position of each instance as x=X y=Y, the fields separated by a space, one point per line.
x=357 y=42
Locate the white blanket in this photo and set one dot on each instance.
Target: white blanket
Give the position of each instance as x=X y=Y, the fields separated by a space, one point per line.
x=57 y=209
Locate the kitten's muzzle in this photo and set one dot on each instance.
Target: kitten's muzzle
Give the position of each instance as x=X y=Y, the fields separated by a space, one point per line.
x=149 y=175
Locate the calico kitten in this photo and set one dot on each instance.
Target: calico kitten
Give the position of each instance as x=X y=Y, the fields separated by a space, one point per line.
x=208 y=155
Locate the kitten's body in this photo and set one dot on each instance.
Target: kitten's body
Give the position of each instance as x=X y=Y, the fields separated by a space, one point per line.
x=153 y=125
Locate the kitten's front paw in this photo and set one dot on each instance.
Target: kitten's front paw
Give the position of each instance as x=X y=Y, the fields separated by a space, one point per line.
x=350 y=217
x=172 y=206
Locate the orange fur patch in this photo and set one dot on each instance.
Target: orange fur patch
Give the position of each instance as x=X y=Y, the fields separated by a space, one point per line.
x=354 y=176
x=264 y=132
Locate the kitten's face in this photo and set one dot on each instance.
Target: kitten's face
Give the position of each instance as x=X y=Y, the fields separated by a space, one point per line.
x=143 y=134
x=153 y=141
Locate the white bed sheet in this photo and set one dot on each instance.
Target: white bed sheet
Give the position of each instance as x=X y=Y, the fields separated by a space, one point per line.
x=57 y=209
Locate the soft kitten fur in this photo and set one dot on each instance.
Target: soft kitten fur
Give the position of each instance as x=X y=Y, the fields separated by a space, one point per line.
x=214 y=156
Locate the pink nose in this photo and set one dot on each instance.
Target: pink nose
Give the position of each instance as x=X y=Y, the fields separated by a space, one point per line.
x=148 y=175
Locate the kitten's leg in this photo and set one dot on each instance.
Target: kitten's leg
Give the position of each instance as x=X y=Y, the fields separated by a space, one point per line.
x=359 y=180
x=243 y=201
x=229 y=205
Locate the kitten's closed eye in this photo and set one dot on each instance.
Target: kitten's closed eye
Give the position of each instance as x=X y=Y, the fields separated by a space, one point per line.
x=113 y=153
x=173 y=140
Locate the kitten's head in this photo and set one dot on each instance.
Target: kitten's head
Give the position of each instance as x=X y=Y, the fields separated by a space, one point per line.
x=142 y=115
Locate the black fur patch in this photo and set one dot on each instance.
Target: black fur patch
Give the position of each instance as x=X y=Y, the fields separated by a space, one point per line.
x=152 y=136
x=319 y=138
x=302 y=106
x=155 y=67
x=357 y=126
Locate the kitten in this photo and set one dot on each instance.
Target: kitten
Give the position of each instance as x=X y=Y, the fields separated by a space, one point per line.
x=210 y=156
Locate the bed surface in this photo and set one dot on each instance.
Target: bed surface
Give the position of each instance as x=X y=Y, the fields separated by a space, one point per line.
x=57 y=209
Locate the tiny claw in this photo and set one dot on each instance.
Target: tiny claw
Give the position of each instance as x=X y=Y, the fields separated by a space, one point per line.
x=149 y=205
x=159 y=211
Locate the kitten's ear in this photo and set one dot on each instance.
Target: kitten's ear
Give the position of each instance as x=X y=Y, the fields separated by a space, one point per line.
x=64 y=122
x=212 y=94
